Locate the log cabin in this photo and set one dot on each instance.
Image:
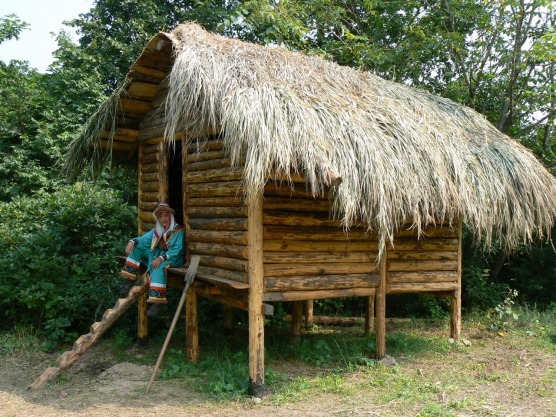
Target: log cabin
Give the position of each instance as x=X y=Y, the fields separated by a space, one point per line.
x=298 y=179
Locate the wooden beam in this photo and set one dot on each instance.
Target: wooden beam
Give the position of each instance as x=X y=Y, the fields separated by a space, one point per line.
x=380 y=306
x=455 y=307
x=256 y=288
x=318 y=294
x=191 y=326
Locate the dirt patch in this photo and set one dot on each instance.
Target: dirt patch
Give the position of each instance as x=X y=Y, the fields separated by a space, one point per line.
x=495 y=376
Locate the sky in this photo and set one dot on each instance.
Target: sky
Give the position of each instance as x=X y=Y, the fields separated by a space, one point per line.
x=37 y=44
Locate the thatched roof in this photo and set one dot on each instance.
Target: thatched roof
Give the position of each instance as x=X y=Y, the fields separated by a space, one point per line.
x=402 y=153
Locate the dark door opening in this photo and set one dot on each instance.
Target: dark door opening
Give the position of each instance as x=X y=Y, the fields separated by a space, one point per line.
x=175 y=189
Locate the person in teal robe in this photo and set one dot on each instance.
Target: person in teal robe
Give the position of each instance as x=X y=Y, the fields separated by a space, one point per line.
x=160 y=248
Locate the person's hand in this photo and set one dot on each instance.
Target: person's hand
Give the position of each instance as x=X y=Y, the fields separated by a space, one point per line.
x=129 y=247
x=156 y=262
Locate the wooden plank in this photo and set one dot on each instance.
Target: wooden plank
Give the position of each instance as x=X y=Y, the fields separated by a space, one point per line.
x=212 y=164
x=440 y=244
x=219 y=249
x=218 y=236
x=236 y=201
x=429 y=276
x=218 y=224
x=149 y=168
x=296 y=204
x=150 y=187
x=423 y=255
x=142 y=90
x=204 y=145
x=317 y=233
x=213 y=189
x=256 y=289
x=417 y=287
x=116 y=145
x=218 y=212
x=319 y=294
x=318 y=246
x=205 y=156
x=215 y=175
x=130 y=105
x=284 y=270
x=223 y=282
x=151 y=72
x=305 y=220
x=226 y=263
x=321 y=282
x=441 y=232
x=422 y=265
x=312 y=257
x=224 y=273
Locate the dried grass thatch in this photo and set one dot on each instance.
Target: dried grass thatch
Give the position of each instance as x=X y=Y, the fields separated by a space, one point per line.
x=402 y=153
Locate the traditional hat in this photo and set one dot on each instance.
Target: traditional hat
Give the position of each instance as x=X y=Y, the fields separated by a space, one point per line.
x=163 y=207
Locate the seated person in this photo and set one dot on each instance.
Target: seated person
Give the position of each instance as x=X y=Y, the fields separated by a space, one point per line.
x=158 y=249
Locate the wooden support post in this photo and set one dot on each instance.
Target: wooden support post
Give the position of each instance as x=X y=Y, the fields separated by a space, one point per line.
x=228 y=319
x=455 y=307
x=142 y=320
x=369 y=314
x=297 y=313
x=191 y=326
x=256 y=289
x=380 y=305
x=308 y=313
x=164 y=182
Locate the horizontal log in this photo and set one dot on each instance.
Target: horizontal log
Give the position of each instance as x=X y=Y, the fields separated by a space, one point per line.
x=407 y=287
x=150 y=177
x=447 y=245
x=445 y=232
x=149 y=187
x=151 y=72
x=148 y=206
x=218 y=236
x=337 y=321
x=224 y=273
x=212 y=164
x=422 y=265
x=315 y=233
x=426 y=276
x=151 y=132
x=146 y=216
x=208 y=145
x=122 y=134
x=236 y=201
x=295 y=190
x=150 y=158
x=130 y=105
x=149 y=197
x=319 y=294
x=312 y=257
x=142 y=89
x=148 y=149
x=296 y=204
x=218 y=224
x=148 y=168
x=144 y=227
x=284 y=270
x=229 y=251
x=318 y=246
x=215 y=212
x=204 y=156
x=160 y=99
x=215 y=175
x=221 y=282
x=305 y=220
x=321 y=282
x=415 y=255
x=225 y=263
x=213 y=189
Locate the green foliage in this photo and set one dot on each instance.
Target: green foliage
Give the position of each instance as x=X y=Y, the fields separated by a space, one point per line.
x=11 y=27
x=58 y=266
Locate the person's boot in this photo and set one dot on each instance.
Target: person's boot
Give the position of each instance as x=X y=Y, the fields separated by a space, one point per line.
x=154 y=309
x=124 y=289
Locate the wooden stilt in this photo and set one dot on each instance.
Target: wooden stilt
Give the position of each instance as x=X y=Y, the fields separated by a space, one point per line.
x=142 y=320
x=369 y=314
x=228 y=319
x=256 y=288
x=380 y=307
x=308 y=313
x=455 y=308
x=297 y=313
x=191 y=326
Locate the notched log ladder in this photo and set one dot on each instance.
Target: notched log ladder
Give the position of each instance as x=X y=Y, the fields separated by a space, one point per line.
x=84 y=342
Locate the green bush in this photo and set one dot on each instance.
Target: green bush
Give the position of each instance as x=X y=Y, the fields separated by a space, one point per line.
x=58 y=264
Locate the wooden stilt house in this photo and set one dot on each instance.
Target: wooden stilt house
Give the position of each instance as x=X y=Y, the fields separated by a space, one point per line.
x=298 y=179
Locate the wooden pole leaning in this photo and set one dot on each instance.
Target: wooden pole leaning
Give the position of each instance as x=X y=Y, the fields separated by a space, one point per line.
x=189 y=276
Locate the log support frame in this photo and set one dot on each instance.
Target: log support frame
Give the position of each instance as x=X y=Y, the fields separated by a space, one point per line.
x=256 y=289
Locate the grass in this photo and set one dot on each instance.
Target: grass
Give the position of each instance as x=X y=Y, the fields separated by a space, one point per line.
x=432 y=376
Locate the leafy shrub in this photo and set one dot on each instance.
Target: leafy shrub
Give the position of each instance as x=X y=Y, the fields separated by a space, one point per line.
x=58 y=264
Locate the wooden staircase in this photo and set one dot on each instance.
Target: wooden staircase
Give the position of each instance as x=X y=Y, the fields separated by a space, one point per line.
x=85 y=341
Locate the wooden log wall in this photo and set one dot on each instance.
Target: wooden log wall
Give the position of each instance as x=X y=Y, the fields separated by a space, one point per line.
x=153 y=182
x=307 y=254
x=216 y=214
x=430 y=263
